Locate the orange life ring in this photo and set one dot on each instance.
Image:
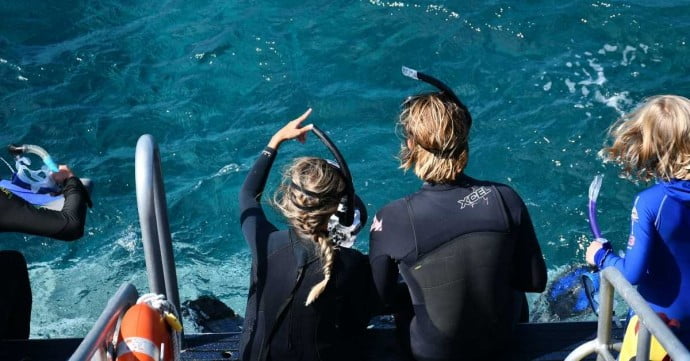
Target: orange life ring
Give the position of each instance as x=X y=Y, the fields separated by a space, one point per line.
x=143 y=332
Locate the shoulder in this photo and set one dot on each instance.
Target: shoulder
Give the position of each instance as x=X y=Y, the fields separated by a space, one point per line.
x=504 y=189
x=395 y=207
x=653 y=192
x=389 y=220
x=393 y=211
x=509 y=195
x=650 y=198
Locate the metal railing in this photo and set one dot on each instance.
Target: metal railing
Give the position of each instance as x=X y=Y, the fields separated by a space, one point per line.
x=158 y=253
x=650 y=324
x=153 y=217
x=102 y=331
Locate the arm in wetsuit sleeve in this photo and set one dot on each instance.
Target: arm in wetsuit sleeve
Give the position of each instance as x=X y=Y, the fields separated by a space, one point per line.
x=383 y=267
x=642 y=234
x=530 y=268
x=67 y=224
x=255 y=225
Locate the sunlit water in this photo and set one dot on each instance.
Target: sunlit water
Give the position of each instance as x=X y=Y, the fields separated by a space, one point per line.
x=211 y=81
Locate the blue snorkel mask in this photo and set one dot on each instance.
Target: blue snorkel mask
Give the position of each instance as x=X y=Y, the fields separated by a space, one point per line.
x=352 y=214
x=37 y=186
x=39 y=181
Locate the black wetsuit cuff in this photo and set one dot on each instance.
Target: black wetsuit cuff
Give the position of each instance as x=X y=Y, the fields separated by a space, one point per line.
x=75 y=182
x=269 y=152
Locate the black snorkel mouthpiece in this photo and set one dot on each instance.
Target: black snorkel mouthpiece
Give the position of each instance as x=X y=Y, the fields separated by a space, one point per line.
x=445 y=89
x=15 y=150
x=347 y=216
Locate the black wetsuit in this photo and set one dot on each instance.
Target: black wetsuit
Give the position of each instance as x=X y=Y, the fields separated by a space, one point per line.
x=278 y=326
x=465 y=250
x=16 y=215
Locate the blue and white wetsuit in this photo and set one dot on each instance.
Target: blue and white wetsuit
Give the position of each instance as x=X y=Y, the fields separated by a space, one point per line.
x=658 y=255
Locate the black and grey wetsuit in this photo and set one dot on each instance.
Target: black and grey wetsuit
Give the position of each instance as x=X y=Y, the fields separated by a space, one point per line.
x=16 y=215
x=278 y=326
x=465 y=250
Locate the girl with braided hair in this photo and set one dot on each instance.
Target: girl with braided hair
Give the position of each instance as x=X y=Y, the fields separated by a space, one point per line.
x=308 y=298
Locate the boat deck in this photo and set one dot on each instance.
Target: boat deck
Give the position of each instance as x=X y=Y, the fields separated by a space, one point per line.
x=536 y=341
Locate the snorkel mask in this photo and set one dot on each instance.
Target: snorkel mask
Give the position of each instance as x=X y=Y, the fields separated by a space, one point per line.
x=351 y=214
x=39 y=181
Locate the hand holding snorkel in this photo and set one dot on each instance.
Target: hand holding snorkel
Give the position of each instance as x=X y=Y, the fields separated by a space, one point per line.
x=64 y=173
x=351 y=215
x=599 y=242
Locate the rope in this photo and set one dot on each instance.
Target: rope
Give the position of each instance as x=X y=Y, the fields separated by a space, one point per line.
x=169 y=312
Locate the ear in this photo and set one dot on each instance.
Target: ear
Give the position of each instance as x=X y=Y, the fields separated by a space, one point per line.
x=410 y=144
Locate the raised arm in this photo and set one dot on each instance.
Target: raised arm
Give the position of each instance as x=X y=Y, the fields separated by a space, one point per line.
x=254 y=223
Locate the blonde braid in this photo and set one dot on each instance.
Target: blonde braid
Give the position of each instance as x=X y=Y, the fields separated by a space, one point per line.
x=327 y=252
x=309 y=195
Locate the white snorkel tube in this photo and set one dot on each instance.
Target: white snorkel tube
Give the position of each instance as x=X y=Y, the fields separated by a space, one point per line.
x=594 y=188
x=36 y=179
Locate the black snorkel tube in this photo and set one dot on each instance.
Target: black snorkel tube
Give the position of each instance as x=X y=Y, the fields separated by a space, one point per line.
x=348 y=216
x=417 y=75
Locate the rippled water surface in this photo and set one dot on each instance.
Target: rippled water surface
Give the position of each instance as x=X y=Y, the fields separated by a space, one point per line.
x=211 y=80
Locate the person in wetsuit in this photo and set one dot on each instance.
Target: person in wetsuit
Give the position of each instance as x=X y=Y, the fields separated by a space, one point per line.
x=465 y=248
x=653 y=142
x=17 y=215
x=308 y=299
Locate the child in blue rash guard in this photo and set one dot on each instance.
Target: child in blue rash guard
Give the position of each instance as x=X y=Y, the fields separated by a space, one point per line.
x=653 y=142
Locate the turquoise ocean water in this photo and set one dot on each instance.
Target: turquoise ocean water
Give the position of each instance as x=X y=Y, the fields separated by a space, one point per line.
x=212 y=80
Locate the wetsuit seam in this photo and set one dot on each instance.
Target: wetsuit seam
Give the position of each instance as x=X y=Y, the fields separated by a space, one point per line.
x=658 y=214
x=410 y=214
x=277 y=250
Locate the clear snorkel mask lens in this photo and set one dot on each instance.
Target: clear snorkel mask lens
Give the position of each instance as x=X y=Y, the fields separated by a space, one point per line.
x=36 y=179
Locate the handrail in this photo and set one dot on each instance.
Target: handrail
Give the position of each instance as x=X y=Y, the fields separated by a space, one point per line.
x=153 y=217
x=104 y=327
x=650 y=323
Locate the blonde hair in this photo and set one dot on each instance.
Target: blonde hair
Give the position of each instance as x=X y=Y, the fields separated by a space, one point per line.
x=653 y=141
x=308 y=196
x=437 y=128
